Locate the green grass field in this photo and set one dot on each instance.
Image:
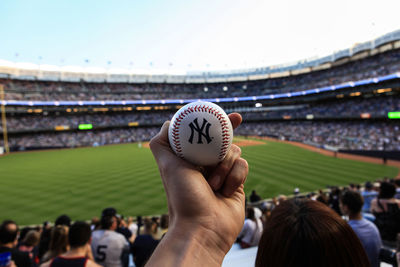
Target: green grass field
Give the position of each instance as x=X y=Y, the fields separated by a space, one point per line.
x=39 y=186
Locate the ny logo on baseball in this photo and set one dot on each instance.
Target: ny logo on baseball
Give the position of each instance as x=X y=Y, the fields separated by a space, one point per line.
x=194 y=126
x=201 y=133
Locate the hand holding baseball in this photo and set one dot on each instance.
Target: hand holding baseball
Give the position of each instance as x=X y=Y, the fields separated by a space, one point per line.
x=206 y=210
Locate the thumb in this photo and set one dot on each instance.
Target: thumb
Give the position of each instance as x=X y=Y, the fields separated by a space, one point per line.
x=160 y=141
x=162 y=150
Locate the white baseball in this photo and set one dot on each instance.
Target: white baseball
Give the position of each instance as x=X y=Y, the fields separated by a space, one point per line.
x=201 y=133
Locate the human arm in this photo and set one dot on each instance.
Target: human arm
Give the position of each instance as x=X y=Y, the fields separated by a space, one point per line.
x=89 y=253
x=206 y=206
x=374 y=206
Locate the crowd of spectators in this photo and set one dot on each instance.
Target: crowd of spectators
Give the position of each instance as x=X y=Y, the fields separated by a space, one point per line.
x=82 y=138
x=40 y=121
x=376 y=225
x=350 y=135
x=346 y=135
x=342 y=135
x=344 y=108
x=370 y=67
x=114 y=240
x=348 y=108
x=109 y=241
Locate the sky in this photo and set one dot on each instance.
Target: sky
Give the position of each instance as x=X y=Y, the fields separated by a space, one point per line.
x=187 y=34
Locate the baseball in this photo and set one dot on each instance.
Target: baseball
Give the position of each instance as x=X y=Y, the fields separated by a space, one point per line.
x=201 y=133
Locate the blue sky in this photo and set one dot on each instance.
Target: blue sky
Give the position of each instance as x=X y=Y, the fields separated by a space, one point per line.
x=193 y=35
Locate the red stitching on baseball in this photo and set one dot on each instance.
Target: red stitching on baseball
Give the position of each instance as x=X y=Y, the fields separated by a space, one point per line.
x=224 y=127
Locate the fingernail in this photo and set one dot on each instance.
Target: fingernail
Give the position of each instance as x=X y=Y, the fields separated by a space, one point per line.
x=215 y=182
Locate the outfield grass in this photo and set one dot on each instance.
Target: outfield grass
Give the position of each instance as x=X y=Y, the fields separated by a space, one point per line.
x=39 y=186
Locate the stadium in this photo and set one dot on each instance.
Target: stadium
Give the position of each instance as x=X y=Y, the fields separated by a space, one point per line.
x=75 y=141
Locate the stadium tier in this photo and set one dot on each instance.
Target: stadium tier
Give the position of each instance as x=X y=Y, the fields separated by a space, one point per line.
x=348 y=105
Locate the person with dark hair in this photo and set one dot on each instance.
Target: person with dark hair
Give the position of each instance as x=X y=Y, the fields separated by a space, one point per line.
x=109 y=247
x=44 y=239
x=80 y=254
x=144 y=244
x=387 y=212
x=8 y=242
x=254 y=197
x=63 y=220
x=164 y=223
x=123 y=230
x=334 y=199
x=58 y=243
x=308 y=233
x=251 y=231
x=351 y=203
x=368 y=195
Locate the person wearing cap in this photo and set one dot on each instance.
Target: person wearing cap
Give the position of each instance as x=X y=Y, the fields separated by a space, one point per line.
x=109 y=247
x=368 y=195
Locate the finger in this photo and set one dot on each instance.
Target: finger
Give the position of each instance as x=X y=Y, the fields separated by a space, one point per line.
x=161 y=138
x=236 y=177
x=222 y=170
x=236 y=119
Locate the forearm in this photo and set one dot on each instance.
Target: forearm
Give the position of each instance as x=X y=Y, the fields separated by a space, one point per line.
x=189 y=247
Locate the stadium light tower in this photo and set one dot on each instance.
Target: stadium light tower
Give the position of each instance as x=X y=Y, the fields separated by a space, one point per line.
x=3 y=119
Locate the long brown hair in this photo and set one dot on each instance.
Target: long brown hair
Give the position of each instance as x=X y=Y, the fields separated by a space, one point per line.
x=308 y=233
x=58 y=242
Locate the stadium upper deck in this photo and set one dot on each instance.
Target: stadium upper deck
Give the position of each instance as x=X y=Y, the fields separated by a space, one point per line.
x=379 y=70
x=384 y=43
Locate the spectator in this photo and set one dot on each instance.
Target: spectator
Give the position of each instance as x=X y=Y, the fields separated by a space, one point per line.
x=144 y=244
x=80 y=254
x=351 y=203
x=251 y=231
x=44 y=239
x=29 y=244
x=334 y=200
x=8 y=242
x=323 y=199
x=164 y=223
x=110 y=249
x=368 y=195
x=387 y=212
x=308 y=233
x=58 y=243
x=63 y=220
x=95 y=223
x=397 y=184
x=123 y=229
x=254 y=197
x=132 y=227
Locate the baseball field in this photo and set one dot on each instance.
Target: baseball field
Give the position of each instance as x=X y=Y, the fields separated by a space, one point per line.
x=39 y=186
